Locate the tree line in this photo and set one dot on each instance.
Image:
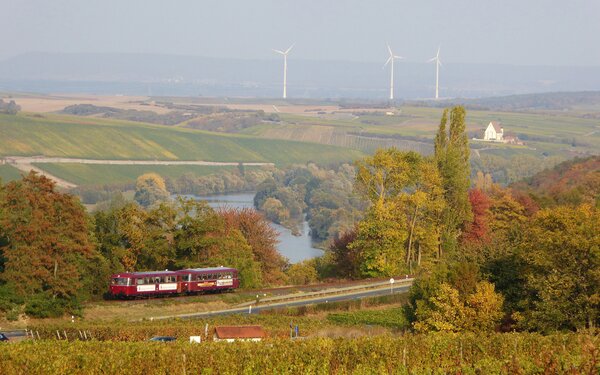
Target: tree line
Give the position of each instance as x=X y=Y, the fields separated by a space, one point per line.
x=54 y=255
x=486 y=257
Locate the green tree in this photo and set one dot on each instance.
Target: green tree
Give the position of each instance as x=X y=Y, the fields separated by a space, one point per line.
x=379 y=242
x=561 y=249
x=302 y=273
x=452 y=158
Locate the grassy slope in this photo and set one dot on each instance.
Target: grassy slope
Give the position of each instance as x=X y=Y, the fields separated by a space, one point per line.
x=8 y=173
x=423 y=122
x=69 y=136
x=86 y=174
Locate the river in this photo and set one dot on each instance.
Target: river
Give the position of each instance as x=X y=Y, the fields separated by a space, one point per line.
x=295 y=248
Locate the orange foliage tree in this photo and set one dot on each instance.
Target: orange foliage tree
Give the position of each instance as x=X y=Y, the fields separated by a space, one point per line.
x=47 y=237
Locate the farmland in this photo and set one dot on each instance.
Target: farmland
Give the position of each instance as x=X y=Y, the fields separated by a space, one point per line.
x=93 y=138
x=414 y=354
x=304 y=131
x=9 y=173
x=86 y=174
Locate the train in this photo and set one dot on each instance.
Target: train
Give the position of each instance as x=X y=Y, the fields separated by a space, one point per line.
x=165 y=283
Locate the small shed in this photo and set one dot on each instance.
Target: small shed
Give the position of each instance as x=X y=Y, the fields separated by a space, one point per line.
x=239 y=333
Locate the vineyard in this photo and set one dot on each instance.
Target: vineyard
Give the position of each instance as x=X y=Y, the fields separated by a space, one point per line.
x=409 y=354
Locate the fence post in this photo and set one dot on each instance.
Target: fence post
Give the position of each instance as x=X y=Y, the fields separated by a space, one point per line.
x=58 y=334
x=38 y=334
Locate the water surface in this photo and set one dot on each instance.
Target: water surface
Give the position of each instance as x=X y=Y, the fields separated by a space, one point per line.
x=295 y=248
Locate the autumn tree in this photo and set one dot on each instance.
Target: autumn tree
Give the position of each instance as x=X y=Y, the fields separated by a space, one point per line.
x=150 y=188
x=47 y=245
x=302 y=273
x=262 y=239
x=561 y=248
x=345 y=258
x=448 y=310
x=452 y=157
x=196 y=230
x=402 y=223
x=477 y=230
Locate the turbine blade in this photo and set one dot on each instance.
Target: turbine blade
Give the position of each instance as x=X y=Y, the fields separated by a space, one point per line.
x=432 y=59
x=278 y=51
x=438 y=52
x=399 y=57
x=289 y=49
x=387 y=62
x=390 y=50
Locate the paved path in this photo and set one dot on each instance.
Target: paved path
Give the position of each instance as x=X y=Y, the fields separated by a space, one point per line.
x=377 y=289
x=25 y=164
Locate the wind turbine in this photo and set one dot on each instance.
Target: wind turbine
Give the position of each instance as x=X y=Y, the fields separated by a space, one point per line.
x=438 y=63
x=284 y=53
x=391 y=59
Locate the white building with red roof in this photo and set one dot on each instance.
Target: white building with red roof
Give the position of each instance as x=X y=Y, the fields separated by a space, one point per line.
x=494 y=132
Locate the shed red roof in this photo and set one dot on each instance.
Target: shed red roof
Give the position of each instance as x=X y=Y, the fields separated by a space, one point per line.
x=239 y=332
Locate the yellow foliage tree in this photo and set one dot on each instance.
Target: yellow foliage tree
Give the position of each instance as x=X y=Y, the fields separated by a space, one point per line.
x=446 y=310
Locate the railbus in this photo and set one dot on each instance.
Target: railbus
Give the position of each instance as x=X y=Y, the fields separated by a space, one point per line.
x=164 y=283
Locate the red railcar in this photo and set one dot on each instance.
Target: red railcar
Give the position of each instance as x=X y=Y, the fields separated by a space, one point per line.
x=157 y=283
x=133 y=284
x=197 y=280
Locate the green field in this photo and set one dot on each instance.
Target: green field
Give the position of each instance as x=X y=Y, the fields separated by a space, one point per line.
x=547 y=132
x=9 y=173
x=90 y=174
x=69 y=136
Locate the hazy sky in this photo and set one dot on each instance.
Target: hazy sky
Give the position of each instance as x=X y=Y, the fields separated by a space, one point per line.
x=523 y=32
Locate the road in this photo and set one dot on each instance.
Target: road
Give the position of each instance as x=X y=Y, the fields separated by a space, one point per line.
x=397 y=289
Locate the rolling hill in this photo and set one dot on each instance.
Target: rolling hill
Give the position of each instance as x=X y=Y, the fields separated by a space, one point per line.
x=93 y=138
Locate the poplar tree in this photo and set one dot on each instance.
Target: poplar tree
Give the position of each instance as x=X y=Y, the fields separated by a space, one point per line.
x=452 y=156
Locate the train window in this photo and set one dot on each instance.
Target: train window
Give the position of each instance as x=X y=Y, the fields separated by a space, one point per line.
x=121 y=281
x=139 y=281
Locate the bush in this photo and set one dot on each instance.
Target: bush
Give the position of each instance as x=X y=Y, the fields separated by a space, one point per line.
x=43 y=305
x=393 y=318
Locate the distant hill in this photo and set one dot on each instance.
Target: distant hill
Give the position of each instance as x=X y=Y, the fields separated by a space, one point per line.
x=538 y=101
x=163 y=75
x=572 y=182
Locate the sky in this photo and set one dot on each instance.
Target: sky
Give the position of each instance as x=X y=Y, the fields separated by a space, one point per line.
x=518 y=32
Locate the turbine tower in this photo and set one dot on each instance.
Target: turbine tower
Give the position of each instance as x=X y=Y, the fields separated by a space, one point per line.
x=391 y=59
x=284 y=53
x=438 y=63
